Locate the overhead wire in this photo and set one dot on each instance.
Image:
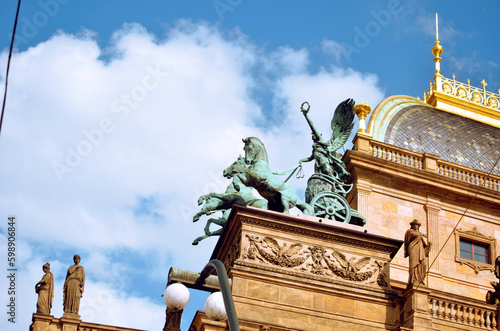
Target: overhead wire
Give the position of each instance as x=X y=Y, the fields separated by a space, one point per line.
x=8 y=64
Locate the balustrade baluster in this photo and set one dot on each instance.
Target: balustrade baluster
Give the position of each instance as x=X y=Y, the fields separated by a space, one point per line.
x=460 y=314
x=481 y=318
x=436 y=308
x=494 y=321
x=487 y=321
x=455 y=313
x=441 y=309
x=446 y=311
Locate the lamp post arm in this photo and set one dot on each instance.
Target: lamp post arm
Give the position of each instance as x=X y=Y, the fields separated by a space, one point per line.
x=232 y=319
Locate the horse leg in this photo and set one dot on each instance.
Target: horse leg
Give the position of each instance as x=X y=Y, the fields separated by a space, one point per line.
x=197 y=240
x=305 y=208
x=197 y=216
x=211 y=205
x=219 y=221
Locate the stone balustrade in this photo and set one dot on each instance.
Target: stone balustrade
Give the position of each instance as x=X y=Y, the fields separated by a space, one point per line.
x=394 y=154
x=468 y=175
x=426 y=162
x=482 y=317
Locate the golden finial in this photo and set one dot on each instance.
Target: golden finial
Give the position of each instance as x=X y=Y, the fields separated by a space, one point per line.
x=437 y=50
x=483 y=83
x=362 y=111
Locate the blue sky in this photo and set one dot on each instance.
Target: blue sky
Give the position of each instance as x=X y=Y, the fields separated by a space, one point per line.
x=121 y=113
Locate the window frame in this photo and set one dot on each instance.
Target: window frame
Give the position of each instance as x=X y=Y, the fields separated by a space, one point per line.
x=475 y=237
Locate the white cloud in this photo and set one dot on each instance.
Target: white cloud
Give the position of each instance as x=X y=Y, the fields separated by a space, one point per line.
x=137 y=137
x=333 y=48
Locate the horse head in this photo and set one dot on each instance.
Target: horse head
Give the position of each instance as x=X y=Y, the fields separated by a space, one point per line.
x=229 y=171
x=254 y=150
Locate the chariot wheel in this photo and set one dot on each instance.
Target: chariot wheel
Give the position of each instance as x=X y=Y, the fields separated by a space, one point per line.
x=331 y=206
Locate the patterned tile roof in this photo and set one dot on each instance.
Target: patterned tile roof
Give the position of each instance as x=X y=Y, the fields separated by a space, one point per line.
x=453 y=138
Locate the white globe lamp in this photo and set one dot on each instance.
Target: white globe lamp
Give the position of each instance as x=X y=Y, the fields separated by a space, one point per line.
x=214 y=307
x=176 y=296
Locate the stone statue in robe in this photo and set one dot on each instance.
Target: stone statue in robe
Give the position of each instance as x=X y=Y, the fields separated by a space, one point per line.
x=416 y=249
x=73 y=288
x=45 y=290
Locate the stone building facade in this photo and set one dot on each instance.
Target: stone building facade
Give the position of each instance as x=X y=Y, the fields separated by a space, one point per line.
x=435 y=160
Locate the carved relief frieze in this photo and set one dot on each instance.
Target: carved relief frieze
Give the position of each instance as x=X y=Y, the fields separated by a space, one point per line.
x=313 y=260
x=354 y=242
x=476 y=266
x=233 y=253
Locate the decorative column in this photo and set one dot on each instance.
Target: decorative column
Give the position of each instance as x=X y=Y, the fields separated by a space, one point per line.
x=362 y=196
x=432 y=208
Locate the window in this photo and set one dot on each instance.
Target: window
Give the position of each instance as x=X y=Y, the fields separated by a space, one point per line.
x=475 y=249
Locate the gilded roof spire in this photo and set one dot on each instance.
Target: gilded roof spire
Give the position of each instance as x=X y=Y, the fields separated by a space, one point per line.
x=461 y=98
x=437 y=50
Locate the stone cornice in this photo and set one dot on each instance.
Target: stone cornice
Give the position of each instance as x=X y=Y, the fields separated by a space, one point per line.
x=419 y=181
x=312 y=227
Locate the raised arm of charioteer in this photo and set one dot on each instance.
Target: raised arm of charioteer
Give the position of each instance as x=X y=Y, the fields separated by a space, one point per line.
x=305 y=109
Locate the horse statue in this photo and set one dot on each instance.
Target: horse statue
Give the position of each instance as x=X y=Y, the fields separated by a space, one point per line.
x=236 y=194
x=253 y=171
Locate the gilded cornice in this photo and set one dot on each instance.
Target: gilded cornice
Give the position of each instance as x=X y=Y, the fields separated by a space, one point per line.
x=468 y=109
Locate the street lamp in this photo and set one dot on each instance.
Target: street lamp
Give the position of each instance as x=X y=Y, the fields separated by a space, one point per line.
x=214 y=307
x=176 y=297
x=219 y=305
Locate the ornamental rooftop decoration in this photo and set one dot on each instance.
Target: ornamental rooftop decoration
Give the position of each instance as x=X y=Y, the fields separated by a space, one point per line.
x=460 y=98
x=325 y=196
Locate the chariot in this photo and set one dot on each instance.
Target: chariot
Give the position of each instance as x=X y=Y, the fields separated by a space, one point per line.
x=326 y=196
